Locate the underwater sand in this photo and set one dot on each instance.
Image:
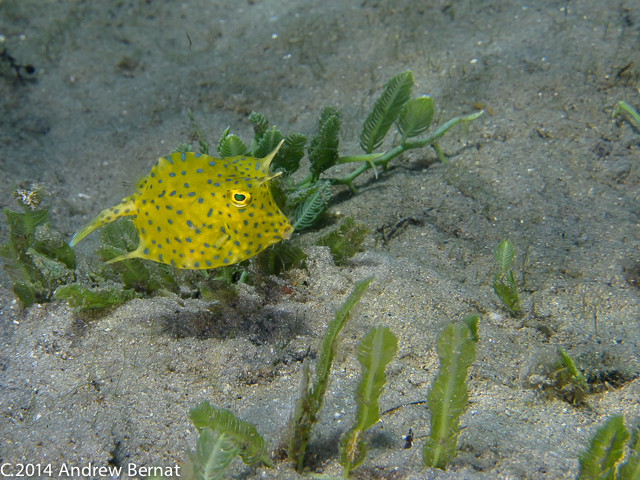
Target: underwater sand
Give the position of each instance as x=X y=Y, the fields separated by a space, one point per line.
x=549 y=170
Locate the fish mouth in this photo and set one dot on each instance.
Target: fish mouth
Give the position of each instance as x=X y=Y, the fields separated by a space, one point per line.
x=286 y=233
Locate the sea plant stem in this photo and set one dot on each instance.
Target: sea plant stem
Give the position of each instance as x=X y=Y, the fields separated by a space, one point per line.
x=624 y=106
x=374 y=159
x=368 y=157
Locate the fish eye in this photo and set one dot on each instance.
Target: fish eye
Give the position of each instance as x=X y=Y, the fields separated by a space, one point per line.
x=238 y=198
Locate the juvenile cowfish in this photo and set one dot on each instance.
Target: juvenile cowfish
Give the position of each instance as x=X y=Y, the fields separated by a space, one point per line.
x=195 y=211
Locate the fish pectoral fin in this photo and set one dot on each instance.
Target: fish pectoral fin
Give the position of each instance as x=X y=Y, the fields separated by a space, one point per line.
x=127 y=207
x=221 y=240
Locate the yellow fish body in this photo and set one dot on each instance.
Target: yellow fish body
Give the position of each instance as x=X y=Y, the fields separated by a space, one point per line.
x=197 y=212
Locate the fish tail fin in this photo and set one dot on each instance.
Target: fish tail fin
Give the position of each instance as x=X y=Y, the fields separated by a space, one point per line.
x=137 y=253
x=127 y=207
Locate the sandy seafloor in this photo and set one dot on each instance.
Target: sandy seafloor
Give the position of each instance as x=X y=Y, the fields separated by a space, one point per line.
x=549 y=169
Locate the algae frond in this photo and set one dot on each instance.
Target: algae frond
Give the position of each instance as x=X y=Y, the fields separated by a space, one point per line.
x=306 y=412
x=36 y=257
x=448 y=397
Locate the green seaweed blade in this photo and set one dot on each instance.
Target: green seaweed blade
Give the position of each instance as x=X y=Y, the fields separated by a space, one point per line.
x=630 y=470
x=279 y=258
x=599 y=461
x=268 y=141
x=24 y=224
x=260 y=126
x=251 y=443
x=505 y=288
x=575 y=375
x=344 y=241
x=308 y=406
x=309 y=212
x=36 y=257
x=323 y=148
x=288 y=158
x=204 y=145
x=251 y=446
x=85 y=299
x=415 y=117
x=504 y=283
x=213 y=454
x=22 y=227
x=375 y=351
x=201 y=414
x=50 y=243
x=327 y=349
x=448 y=397
x=504 y=255
x=385 y=111
x=231 y=145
